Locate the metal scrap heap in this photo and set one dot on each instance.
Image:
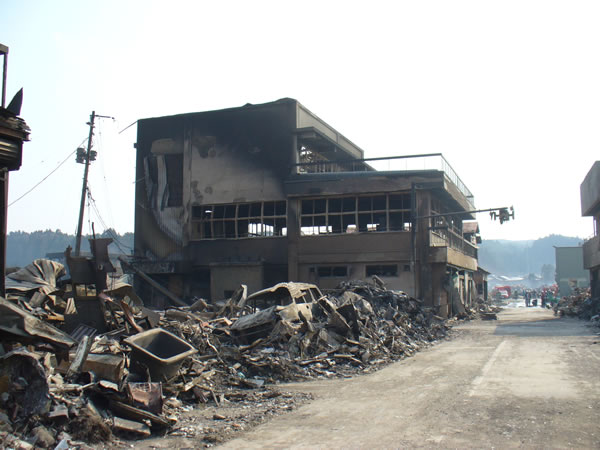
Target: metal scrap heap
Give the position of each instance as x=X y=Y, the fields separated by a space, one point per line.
x=139 y=375
x=353 y=330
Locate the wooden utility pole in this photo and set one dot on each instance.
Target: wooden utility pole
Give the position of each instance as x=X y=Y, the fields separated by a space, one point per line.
x=89 y=156
x=84 y=188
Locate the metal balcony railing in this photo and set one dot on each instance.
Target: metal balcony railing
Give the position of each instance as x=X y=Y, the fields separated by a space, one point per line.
x=447 y=238
x=429 y=161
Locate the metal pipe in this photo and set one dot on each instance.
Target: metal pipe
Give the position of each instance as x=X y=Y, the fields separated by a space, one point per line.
x=4 y=51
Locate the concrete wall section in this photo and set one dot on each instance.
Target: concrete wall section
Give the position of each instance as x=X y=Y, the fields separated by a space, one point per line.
x=225 y=279
x=345 y=183
x=356 y=247
x=590 y=191
x=224 y=174
x=569 y=269
x=403 y=281
x=591 y=253
x=269 y=249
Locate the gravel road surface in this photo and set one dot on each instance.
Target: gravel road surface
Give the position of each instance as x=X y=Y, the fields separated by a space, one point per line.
x=527 y=380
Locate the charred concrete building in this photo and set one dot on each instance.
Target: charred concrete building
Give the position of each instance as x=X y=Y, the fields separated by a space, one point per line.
x=266 y=193
x=590 y=206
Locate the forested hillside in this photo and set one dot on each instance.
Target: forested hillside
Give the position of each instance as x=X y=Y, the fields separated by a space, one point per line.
x=513 y=258
x=22 y=248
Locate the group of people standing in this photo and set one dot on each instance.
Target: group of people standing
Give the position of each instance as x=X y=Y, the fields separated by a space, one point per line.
x=546 y=295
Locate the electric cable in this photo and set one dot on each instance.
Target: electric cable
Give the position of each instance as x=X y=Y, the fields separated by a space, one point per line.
x=46 y=177
x=107 y=229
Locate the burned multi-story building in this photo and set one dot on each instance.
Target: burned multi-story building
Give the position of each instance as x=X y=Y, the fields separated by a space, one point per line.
x=266 y=193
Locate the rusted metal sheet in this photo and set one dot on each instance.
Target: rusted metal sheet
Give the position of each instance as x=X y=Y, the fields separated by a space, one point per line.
x=147 y=396
x=21 y=324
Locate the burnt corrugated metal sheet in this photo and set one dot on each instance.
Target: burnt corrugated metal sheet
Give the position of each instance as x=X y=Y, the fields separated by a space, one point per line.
x=10 y=153
x=13 y=131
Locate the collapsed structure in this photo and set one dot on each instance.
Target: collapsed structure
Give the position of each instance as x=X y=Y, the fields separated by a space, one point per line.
x=267 y=193
x=134 y=372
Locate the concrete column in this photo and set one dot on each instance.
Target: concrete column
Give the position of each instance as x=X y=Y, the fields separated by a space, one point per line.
x=293 y=236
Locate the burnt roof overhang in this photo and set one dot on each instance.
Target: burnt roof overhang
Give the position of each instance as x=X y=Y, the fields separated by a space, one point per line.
x=319 y=135
x=332 y=150
x=310 y=130
x=236 y=109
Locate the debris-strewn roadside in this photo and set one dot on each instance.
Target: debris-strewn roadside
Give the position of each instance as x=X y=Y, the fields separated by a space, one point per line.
x=124 y=371
x=579 y=304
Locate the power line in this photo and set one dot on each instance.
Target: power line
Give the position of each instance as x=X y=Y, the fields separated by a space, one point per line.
x=109 y=230
x=46 y=177
x=128 y=126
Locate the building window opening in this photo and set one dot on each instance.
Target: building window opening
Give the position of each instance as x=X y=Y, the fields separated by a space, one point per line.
x=390 y=270
x=338 y=215
x=332 y=271
x=244 y=220
x=174 y=169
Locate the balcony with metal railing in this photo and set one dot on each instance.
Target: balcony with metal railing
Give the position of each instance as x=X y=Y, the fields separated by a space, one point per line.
x=425 y=162
x=450 y=239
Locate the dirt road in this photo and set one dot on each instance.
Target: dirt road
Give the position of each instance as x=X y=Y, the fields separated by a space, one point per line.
x=527 y=380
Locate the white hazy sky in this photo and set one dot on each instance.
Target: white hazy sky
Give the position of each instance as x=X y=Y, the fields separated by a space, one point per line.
x=508 y=91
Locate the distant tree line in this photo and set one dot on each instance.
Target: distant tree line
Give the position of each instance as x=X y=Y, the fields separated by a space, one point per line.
x=514 y=258
x=22 y=247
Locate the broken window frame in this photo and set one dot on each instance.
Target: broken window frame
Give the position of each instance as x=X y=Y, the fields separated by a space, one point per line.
x=332 y=271
x=246 y=220
x=366 y=216
x=381 y=270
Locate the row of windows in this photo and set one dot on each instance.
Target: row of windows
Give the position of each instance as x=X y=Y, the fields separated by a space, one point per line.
x=242 y=220
x=385 y=212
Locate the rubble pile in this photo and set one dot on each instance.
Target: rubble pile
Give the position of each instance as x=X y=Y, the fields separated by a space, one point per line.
x=353 y=330
x=484 y=310
x=77 y=368
x=579 y=304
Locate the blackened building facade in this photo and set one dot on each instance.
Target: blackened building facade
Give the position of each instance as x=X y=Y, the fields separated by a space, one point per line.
x=267 y=193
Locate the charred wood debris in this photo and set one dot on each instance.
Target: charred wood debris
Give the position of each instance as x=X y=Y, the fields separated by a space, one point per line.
x=579 y=304
x=125 y=372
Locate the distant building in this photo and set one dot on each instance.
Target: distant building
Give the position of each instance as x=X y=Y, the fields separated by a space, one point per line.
x=262 y=194
x=590 y=206
x=481 y=282
x=569 y=270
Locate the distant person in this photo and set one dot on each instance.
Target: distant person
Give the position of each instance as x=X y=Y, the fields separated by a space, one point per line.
x=551 y=300
x=543 y=298
x=527 y=298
